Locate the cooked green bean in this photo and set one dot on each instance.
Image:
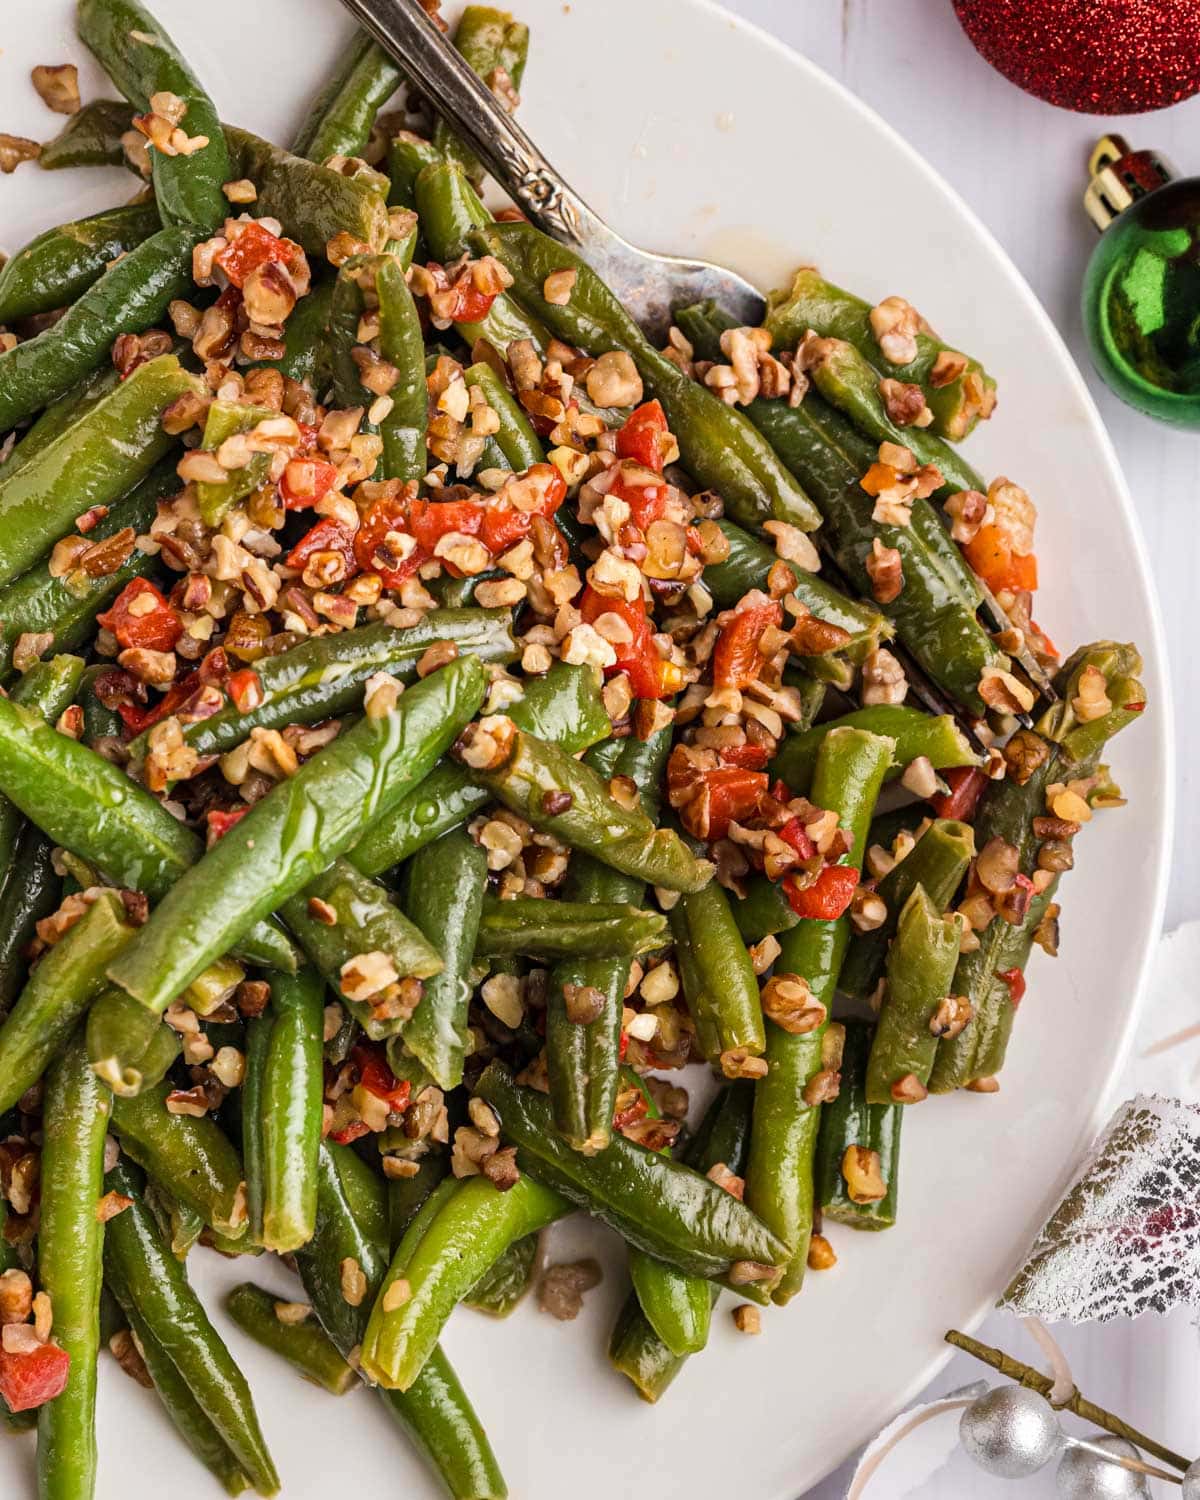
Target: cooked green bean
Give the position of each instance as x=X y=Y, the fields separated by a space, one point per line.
x=532 y=927
x=59 y=265
x=91 y=137
x=857 y=1163
x=340 y=118
x=129 y=1048
x=305 y=1347
x=492 y=42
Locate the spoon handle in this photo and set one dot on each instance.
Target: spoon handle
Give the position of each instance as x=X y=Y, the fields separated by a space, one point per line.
x=404 y=30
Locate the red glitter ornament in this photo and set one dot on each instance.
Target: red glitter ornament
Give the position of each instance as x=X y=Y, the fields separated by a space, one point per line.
x=1104 y=57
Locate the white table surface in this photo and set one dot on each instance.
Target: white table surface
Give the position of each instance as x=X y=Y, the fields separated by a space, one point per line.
x=1021 y=166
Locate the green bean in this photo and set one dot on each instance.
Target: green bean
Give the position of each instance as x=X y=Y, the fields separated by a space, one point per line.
x=763 y=911
x=59 y=415
x=719 y=982
x=189 y=1418
x=65 y=608
x=533 y=927
x=61 y=988
x=91 y=137
x=340 y=119
x=779 y=1185
x=444 y=897
x=142 y=61
x=89 y=806
x=936 y=864
x=920 y=968
x=536 y=776
x=434 y=1412
x=723 y=1137
x=365 y=921
x=565 y=706
x=850 y=1124
x=286 y=1115
x=295 y=831
x=935 y=736
x=30 y=892
x=501 y=1288
x=59 y=265
x=1059 y=748
x=719 y=447
x=152 y=1287
x=518 y=443
x=653 y=1202
x=814 y=303
x=94 y=461
x=747 y=566
x=406 y=1195
x=461 y=1231
x=189 y=1155
x=129 y=1048
x=312 y=202
x=582 y=1059
x=323 y=677
x=491 y=41
x=305 y=1347
x=70 y=1248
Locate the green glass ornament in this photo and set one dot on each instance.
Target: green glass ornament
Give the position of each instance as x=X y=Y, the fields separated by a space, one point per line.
x=1141 y=290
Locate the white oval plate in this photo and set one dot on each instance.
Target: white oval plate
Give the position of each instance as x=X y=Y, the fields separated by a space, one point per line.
x=694 y=132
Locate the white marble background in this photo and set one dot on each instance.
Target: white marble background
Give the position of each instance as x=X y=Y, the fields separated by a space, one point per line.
x=1020 y=164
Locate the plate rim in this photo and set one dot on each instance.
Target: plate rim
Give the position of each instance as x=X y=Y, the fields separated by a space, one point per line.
x=1162 y=754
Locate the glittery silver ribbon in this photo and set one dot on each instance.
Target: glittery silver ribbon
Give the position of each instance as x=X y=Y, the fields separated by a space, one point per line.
x=1125 y=1239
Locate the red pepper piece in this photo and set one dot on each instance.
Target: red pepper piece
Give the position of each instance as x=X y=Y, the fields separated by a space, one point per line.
x=737 y=659
x=647 y=502
x=732 y=797
x=137 y=719
x=746 y=757
x=327 y=535
x=793 y=833
x=504 y=524
x=221 y=819
x=255 y=247
x=966 y=787
x=33 y=1377
x=245 y=688
x=650 y=676
x=153 y=625
x=350 y=1133
x=305 y=481
x=378 y=1079
x=1015 y=980
x=829 y=896
x=645 y=437
x=384 y=515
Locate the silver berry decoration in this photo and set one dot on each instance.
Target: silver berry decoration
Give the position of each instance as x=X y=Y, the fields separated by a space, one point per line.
x=1011 y=1432
x=1191 y=1482
x=1084 y=1476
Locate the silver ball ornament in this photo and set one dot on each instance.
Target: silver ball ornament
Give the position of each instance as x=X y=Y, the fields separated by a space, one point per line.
x=1011 y=1432
x=1191 y=1482
x=1083 y=1476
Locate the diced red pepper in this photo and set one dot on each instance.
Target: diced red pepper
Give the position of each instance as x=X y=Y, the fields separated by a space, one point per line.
x=991 y=555
x=623 y=1048
x=793 y=833
x=246 y=690
x=349 y=1133
x=645 y=436
x=138 y=719
x=748 y=757
x=470 y=305
x=966 y=785
x=737 y=659
x=255 y=247
x=503 y=524
x=650 y=676
x=1015 y=980
x=733 y=796
x=827 y=898
x=378 y=1079
x=154 y=625
x=384 y=515
x=305 y=481
x=327 y=535
x=647 y=502
x=34 y=1376
x=431 y=520
x=220 y=820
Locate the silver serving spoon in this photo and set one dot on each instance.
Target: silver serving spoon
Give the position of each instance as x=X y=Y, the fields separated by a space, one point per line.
x=649 y=285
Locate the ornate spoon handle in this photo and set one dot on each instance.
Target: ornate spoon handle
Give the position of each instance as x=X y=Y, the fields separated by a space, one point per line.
x=402 y=28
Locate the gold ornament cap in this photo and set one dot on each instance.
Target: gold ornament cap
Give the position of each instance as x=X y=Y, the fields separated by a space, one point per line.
x=1120 y=176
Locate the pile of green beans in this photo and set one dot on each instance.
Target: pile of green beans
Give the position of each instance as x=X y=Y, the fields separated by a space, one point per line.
x=424 y=729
